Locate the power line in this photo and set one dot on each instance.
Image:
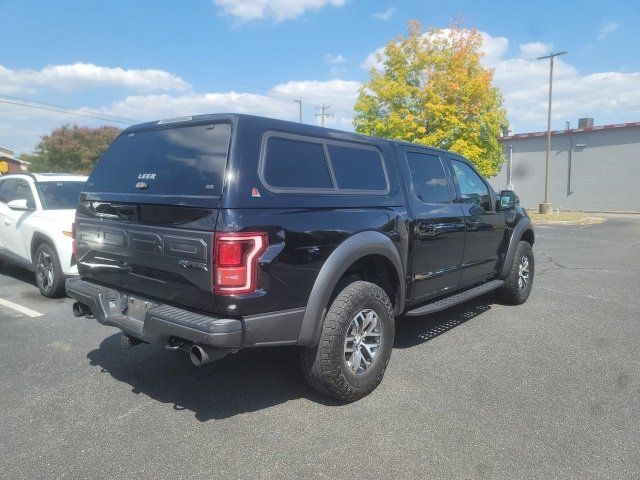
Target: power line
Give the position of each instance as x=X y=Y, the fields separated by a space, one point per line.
x=22 y=102
x=324 y=113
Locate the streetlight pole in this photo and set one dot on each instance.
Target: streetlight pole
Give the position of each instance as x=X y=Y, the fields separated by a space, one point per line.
x=546 y=206
x=509 y=167
x=299 y=102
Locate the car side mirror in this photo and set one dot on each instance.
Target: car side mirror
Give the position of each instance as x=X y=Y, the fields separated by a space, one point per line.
x=508 y=200
x=20 y=204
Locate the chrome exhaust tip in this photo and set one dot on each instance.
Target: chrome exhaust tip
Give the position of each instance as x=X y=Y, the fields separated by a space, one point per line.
x=198 y=355
x=81 y=310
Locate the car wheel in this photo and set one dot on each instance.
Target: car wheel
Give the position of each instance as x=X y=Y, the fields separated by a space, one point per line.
x=49 y=277
x=517 y=286
x=355 y=344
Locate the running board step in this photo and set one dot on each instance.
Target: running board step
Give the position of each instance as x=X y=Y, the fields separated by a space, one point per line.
x=455 y=299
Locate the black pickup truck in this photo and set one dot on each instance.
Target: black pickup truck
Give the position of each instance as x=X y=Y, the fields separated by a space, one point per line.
x=213 y=233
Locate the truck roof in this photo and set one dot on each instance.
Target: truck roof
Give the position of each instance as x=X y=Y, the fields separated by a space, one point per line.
x=267 y=123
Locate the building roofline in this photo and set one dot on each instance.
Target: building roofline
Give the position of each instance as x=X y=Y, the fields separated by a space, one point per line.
x=4 y=157
x=572 y=130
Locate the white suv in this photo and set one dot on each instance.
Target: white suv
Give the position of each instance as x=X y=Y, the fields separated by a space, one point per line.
x=36 y=216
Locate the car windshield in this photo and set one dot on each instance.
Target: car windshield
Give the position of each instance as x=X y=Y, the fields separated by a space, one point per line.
x=59 y=195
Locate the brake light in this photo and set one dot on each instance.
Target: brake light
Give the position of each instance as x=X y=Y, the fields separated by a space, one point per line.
x=74 y=245
x=236 y=261
x=230 y=254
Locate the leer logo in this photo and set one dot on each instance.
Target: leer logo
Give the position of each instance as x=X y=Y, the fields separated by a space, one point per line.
x=146 y=176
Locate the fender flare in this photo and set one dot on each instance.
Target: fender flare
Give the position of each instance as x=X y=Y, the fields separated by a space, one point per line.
x=354 y=248
x=521 y=227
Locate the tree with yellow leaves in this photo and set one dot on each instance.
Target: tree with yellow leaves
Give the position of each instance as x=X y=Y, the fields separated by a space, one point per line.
x=433 y=90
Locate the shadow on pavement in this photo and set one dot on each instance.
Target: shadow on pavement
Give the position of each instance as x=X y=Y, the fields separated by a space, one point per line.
x=17 y=273
x=250 y=380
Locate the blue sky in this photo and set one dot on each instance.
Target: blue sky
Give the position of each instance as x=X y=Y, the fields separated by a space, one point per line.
x=146 y=60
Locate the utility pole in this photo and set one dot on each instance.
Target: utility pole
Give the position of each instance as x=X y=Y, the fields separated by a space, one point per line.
x=546 y=206
x=324 y=113
x=569 y=191
x=509 y=167
x=299 y=102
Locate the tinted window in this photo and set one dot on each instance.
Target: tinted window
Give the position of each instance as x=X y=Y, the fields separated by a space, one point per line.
x=59 y=195
x=428 y=178
x=177 y=161
x=357 y=168
x=6 y=186
x=16 y=189
x=296 y=164
x=473 y=189
x=23 y=192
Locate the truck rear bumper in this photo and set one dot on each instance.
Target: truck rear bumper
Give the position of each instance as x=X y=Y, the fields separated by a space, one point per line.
x=154 y=322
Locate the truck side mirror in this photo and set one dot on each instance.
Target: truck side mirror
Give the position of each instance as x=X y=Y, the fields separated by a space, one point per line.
x=508 y=200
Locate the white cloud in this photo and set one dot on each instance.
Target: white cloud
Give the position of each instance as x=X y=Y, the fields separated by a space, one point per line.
x=493 y=48
x=374 y=60
x=533 y=50
x=610 y=97
x=20 y=128
x=386 y=15
x=329 y=58
x=278 y=10
x=81 y=76
x=606 y=29
x=277 y=103
x=152 y=107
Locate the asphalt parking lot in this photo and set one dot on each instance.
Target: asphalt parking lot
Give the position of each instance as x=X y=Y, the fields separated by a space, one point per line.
x=550 y=389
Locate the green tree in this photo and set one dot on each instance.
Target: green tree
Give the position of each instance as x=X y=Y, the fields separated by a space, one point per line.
x=71 y=149
x=433 y=90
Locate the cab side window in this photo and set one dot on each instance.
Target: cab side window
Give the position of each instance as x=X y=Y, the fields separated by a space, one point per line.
x=16 y=189
x=473 y=189
x=7 y=189
x=23 y=191
x=295 y=164
x=428 y=178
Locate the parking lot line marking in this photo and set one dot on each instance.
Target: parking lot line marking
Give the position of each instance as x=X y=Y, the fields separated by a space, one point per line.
x=20 y=308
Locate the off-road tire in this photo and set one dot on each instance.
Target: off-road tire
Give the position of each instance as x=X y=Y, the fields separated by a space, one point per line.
x=511 y=292
x=325 y=368
x=53 y=288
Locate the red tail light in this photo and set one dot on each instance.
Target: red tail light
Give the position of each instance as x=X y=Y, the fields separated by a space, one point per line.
x=74 y=245
x=236 y=257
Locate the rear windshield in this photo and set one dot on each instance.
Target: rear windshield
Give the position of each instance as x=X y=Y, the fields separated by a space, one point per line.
x=188 y=161
x=59 y=195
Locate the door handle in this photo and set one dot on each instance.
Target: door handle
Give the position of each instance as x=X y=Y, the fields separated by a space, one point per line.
x=427 y=230
x=7 y=222
x=472 y=226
